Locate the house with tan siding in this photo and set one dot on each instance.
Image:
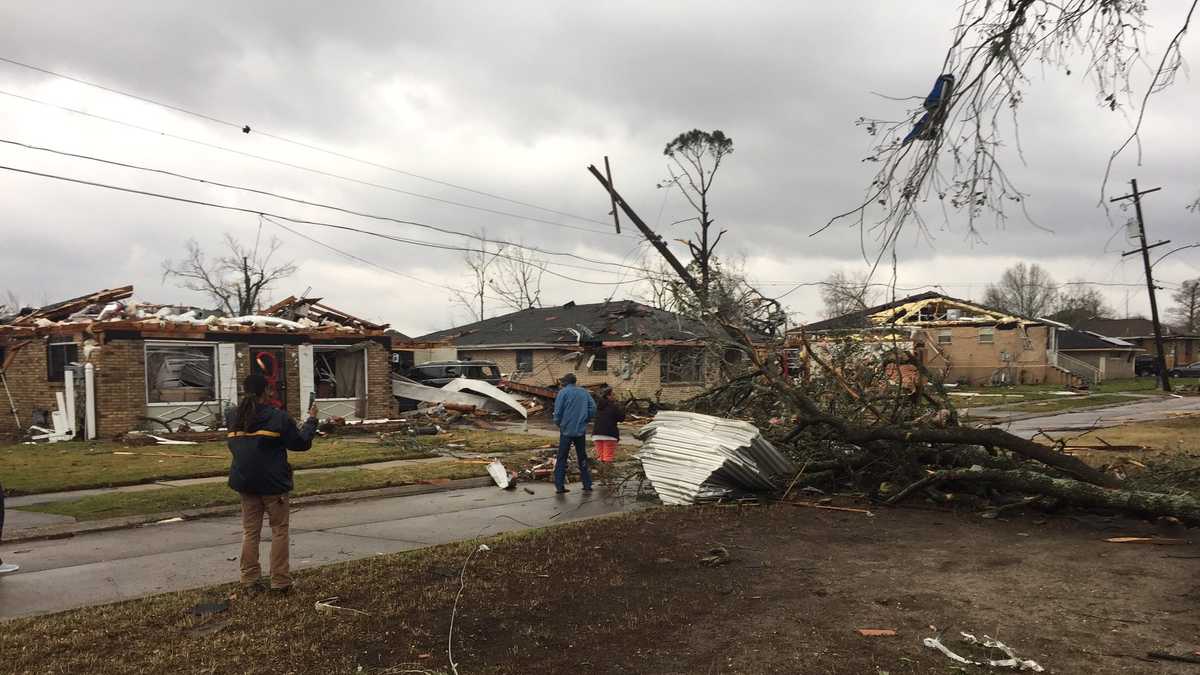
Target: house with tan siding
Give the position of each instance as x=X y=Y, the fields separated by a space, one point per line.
x=640 y=351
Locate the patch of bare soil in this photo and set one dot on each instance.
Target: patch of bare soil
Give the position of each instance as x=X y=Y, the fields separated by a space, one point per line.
x=631 y=594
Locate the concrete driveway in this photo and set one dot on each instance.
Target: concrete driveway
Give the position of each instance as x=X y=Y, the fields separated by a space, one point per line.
x=1139 y=410
x=106 y=567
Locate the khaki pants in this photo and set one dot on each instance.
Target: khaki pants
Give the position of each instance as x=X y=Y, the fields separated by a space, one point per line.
x=276 y=508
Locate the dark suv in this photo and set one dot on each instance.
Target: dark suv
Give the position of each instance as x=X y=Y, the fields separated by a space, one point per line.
x=1145 y=365
x=438 y=373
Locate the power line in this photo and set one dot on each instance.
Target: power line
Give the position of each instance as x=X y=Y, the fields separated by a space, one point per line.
x=301 y=167
x=318 y=223
x=245 y=128
x=305 y=202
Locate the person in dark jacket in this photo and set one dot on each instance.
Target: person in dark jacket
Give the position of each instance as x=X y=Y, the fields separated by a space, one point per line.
x=260 y=436
x=605 y=433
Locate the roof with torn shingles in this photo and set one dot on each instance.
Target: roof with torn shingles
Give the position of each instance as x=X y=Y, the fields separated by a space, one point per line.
x=862 y=318
x=1081 y=340
x=621 y=321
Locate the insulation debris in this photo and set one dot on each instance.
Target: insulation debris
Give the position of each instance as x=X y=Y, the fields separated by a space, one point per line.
x=1012 y=661
x=690 y=458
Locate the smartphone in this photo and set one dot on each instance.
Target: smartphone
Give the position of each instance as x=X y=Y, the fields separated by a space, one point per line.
x=312 y=400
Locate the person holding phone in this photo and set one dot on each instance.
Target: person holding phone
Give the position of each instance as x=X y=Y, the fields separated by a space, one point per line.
x=260 y=436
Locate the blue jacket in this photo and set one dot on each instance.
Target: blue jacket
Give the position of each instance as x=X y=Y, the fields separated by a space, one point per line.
x=573 y=409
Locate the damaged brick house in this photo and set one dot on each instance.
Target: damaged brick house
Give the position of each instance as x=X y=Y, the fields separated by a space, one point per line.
x=971 y=344
x=641 y=351
x=1179 y=348
x=145 y=366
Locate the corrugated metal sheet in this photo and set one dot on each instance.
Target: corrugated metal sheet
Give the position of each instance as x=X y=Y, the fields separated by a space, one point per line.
x=689 y=457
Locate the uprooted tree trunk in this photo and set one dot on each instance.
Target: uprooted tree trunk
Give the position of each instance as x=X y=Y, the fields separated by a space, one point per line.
x=863 y=423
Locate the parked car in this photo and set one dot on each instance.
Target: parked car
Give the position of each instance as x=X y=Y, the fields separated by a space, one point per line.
x=438 y=373
x=1190 y=370
x=1145 y=365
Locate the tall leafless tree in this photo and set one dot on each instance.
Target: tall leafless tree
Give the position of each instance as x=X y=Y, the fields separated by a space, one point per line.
x=1026 y=290
x=479 y=262
x=1186 y=311
x=948 y=150
x=517 y=279
x=236 y=281
x=1078 y=302
x=695 y=159
x=846 y=292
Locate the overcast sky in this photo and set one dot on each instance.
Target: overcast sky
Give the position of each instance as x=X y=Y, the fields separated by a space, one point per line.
x=516 y=99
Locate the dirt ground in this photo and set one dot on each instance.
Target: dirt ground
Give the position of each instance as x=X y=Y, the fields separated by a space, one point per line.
x=629 y=595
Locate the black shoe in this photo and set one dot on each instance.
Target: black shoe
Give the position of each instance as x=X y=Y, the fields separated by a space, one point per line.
x=561 y=491
x=253 y=589
x=282 y=590
x=587 y=489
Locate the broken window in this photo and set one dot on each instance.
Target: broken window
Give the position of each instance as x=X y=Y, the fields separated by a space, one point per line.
x=987 y=335
x=600 y=361
x=524 y=360
x=180 y=373
x=340 y=373
x=58 y=355
x=944 y=337
x=681 y=364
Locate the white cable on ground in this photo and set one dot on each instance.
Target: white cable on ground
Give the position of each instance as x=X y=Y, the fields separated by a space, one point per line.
x=462 y=584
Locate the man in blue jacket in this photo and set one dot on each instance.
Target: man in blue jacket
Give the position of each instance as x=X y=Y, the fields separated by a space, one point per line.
x=573 y=409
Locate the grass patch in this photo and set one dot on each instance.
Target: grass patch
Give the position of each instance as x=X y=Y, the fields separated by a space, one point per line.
x=1046 y=392
x=32 y=469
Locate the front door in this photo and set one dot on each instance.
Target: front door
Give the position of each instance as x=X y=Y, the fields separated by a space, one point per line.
x=269 y=362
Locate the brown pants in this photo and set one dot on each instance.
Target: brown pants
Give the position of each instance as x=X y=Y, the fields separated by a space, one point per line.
x=276 y=508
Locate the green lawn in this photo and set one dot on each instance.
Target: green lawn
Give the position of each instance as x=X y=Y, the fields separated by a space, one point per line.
x=1025 y=393
x=1064 y=403
x=32 y=469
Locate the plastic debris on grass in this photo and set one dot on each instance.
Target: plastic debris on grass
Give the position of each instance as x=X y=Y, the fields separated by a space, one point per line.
x=1012 y=661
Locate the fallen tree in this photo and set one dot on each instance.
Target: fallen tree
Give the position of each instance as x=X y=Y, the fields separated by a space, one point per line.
x=881 y=420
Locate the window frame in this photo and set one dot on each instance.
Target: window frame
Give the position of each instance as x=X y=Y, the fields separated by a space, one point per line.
x=62 y=374
x=945 y=333
x=337 y=348
x=599 y=361
x=990 y=334
x=216 y=385
x=518 y=357
x=666 y=363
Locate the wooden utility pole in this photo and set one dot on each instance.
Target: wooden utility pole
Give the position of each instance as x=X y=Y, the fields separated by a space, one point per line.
x=1144 y=249
x=650 y=234
x=616 y=216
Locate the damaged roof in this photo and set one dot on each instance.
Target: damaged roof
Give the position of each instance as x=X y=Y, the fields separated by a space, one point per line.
x=113 y=310
x=923 y=309
x=1081 y=340
x=623 y=321
x=1126 y=328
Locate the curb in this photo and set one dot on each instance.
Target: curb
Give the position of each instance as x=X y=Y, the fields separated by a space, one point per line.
x=68 y=530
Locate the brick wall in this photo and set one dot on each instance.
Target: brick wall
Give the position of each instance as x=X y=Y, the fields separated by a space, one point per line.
x=120 y=386
x=640 y=364
x=976 y=362
x=380 y=402
x=27 y=383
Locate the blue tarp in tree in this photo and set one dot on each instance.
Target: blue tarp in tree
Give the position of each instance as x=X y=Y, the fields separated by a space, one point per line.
x=936 y=105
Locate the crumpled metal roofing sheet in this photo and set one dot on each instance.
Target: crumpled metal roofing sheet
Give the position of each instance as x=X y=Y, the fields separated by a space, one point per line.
x=689 y=457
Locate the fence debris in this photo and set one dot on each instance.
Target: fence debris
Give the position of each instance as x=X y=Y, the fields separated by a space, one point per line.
x=987 y=642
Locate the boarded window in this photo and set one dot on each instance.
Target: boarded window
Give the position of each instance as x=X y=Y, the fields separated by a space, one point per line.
x=944 y=337
x=340 y=373
x=58 y=355
x=681 y=365
x=600 y=361
x=180 y=373
x=987 y=335
x=524 y=360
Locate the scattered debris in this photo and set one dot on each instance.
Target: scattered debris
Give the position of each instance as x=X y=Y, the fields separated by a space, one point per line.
x=876 y=632
x=499 y=474
x=326 y=606
x=1157 y=541
x=689 y=457
x=716 y=556
x=492 y=393
x=1179 y=658
x=206 y=608
x=988 y=643
x=813 y=505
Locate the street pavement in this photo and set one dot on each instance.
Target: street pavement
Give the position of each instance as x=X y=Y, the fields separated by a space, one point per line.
x=1140 y=410
x=104 y=567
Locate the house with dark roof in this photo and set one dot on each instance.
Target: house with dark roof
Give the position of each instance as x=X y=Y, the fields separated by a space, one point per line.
x=969 y=343
x=1179 y=347
x=637 y=349
x=1113 y=358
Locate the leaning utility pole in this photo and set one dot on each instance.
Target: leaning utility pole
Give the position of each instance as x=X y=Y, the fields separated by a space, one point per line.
x=1136 y=196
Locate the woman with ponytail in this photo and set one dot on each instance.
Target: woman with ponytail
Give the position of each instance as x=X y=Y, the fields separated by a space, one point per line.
x=260 y=436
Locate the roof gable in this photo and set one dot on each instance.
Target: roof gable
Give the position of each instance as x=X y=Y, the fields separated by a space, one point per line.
x=920 y=310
